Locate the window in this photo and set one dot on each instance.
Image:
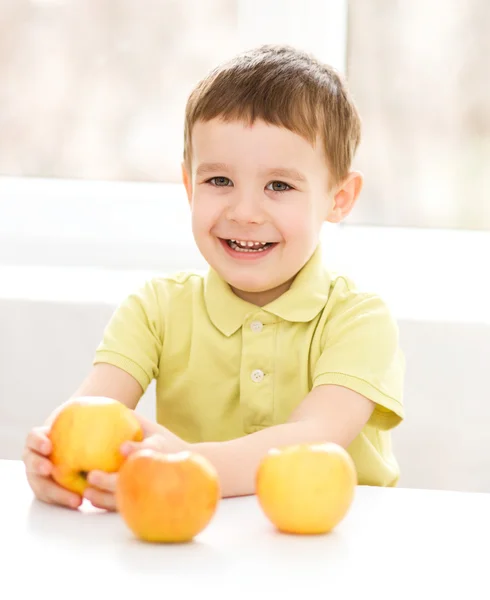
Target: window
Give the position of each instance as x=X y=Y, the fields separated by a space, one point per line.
x=97 y=90
x=419 y=72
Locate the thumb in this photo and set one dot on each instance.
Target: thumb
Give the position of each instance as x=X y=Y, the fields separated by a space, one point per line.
x=128 y=448
x=147 y=425
x=154 y=442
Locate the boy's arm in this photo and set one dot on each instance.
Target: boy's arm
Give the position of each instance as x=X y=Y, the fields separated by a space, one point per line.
x=109 y=381
x=329 y=413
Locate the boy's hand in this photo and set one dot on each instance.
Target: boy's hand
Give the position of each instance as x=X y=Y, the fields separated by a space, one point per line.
x=101 y=489
x=166 y=443
x=102 y=486
x=38 y=470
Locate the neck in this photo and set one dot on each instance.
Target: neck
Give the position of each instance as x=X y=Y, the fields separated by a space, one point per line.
x=265 y=297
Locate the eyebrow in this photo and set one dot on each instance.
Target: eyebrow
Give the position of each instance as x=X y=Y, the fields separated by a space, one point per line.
x=287 y=173
x=293 y=174
x=204 y=168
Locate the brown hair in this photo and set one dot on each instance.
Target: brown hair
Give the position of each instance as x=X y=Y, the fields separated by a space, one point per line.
x=286 y=87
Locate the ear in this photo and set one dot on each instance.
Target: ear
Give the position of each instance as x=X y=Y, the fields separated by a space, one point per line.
x=345 y=197
x=187 y=181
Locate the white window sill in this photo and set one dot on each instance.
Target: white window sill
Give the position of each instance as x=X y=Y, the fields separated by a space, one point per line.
x=81 y=241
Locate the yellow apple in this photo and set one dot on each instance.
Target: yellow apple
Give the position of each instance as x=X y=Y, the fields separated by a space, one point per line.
x=86 y=435
x=306 y=488
x=167 y=497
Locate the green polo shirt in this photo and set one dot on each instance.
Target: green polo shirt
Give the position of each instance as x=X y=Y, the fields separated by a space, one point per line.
x=225 y=368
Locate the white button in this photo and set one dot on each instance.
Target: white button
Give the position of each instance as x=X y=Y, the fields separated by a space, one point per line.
x=256 y=326
x=257 y=376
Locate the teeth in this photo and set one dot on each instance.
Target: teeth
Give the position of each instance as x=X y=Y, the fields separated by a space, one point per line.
x=245 y=244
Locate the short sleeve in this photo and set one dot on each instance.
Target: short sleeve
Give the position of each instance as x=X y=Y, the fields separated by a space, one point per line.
x=132 y=339
x=361 y=352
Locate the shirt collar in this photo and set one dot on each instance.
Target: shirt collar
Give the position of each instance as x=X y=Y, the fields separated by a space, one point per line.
x=305 y=298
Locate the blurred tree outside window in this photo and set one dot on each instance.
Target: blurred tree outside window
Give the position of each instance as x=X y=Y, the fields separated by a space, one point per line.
x=420 y=74
x=97 y=89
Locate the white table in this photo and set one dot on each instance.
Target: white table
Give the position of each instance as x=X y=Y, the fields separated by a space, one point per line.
x=394 y=543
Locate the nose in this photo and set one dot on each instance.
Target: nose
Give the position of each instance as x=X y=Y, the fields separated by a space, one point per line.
x=245 y=207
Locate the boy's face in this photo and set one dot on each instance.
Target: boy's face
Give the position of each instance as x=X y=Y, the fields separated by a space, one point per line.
x=259 y=195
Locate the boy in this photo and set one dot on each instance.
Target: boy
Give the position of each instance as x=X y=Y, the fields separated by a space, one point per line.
x=268 y=349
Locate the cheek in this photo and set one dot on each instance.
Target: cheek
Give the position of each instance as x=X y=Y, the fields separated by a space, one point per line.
x=205 y=212
x=298 y=221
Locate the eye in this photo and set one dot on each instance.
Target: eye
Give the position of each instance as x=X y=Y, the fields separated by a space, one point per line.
x=220 y=181
x=278 y=186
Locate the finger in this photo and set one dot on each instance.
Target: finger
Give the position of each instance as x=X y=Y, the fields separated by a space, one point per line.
x=38 y=441
x=36 y=464
x=129 y=447
x=105 y=482
x=49 y=491
x=154 y=442
x=100 y=498
x=147 y=425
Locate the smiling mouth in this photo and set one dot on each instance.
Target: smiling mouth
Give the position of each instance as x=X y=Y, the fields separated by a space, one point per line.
x=248 y=246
